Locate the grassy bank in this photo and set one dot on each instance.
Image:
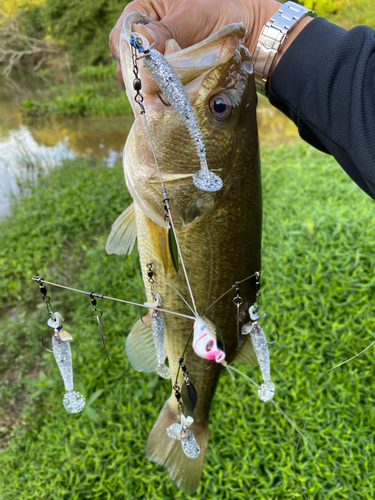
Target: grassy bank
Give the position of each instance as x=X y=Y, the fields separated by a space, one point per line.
x=93 y=91
x=318 y=269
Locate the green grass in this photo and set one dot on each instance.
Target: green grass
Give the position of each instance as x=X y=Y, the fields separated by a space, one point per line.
x=318 y=289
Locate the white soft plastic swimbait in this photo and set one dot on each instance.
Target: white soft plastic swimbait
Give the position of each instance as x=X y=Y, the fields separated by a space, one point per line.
x=73 y=401
x=174 y=91
x=157 y=326
x=181 y=431
x=267 y=390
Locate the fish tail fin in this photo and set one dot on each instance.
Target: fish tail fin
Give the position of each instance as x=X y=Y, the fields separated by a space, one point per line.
x=185 y=472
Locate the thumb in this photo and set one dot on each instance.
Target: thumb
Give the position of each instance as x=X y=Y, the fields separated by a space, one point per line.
x=157 y=33
x=179 y=24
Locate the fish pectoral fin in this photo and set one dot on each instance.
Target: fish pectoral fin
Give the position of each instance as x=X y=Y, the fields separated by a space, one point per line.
x=140 y=347
x=246 y=353
x=124 y=233
x=185 y=472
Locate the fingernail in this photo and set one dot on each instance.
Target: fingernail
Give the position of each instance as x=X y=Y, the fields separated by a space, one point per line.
x=151 y=32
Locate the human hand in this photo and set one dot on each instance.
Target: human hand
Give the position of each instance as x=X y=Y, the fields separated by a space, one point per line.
x=191 y=21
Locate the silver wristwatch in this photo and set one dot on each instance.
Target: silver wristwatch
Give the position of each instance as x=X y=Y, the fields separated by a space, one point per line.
x=271 y=37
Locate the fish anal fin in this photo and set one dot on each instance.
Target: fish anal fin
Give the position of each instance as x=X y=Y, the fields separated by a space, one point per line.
x=246 y=353
x=140 y=347
x=185 y=472
x=123 y=234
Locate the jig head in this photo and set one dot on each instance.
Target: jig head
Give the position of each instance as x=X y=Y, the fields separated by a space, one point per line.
x=186 y=436
x=205 y=341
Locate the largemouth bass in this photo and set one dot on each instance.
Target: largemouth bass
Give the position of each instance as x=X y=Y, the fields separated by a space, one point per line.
x=219 y=233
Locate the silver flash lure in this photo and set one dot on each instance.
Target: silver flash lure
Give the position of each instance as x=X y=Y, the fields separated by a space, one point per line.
x=157 y=326
x=267 y=390
x=73 y=401
x=181 y=431
x=172 y=88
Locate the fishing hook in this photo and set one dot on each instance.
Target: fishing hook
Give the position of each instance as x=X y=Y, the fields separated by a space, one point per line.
x=97 y=317
x=147 y=326
x=44 y=347
x=275 y=341
x=162 y=100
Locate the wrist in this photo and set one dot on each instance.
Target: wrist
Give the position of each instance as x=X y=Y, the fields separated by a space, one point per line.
x=287 y=43
x=262 y=13
x=276 y=36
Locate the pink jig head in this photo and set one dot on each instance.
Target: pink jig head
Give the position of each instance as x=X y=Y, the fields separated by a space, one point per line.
x=205 y=342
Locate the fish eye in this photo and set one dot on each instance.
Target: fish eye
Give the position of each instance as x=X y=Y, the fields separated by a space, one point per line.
x=221 y=106
x=209 y=345
x=139 y=40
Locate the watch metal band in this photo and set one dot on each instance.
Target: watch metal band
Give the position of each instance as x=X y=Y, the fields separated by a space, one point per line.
x=271 y=37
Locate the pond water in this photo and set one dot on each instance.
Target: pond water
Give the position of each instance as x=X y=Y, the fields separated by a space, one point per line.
x=44 y=143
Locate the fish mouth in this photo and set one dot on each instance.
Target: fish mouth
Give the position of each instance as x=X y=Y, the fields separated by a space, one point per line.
x=218 y=68
x=189 y=63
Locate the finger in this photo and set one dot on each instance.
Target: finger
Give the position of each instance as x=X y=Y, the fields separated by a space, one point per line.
x=179 y=24
x=173 y=19
x=143 y=6
x=146 y=7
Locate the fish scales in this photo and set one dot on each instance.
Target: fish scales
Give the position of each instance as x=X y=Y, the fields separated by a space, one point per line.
x=219 y=233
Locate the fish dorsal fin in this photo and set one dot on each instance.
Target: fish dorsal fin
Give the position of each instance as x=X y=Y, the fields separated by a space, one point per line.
x=124 y=233
x=140 y=347
x=246 y=354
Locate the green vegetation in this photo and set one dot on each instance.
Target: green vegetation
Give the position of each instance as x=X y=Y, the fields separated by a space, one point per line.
x=323 y=7
x=318 y=287
x=93 y=93
x=80 y=31
x=318 y=266
x=354 y=13
x=67 y=50
x=346 y=13
x=81 y=27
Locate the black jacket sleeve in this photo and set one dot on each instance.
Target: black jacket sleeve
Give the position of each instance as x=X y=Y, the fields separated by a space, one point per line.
x=325 y=83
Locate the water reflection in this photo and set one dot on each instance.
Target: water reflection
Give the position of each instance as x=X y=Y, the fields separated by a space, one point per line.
x=18 y=151
x=103 y=136
x=44 y=143
x=47 y=142
x=274 y=127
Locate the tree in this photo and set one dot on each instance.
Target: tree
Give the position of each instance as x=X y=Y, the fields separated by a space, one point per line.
x=18 y=50
x=82 y=26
